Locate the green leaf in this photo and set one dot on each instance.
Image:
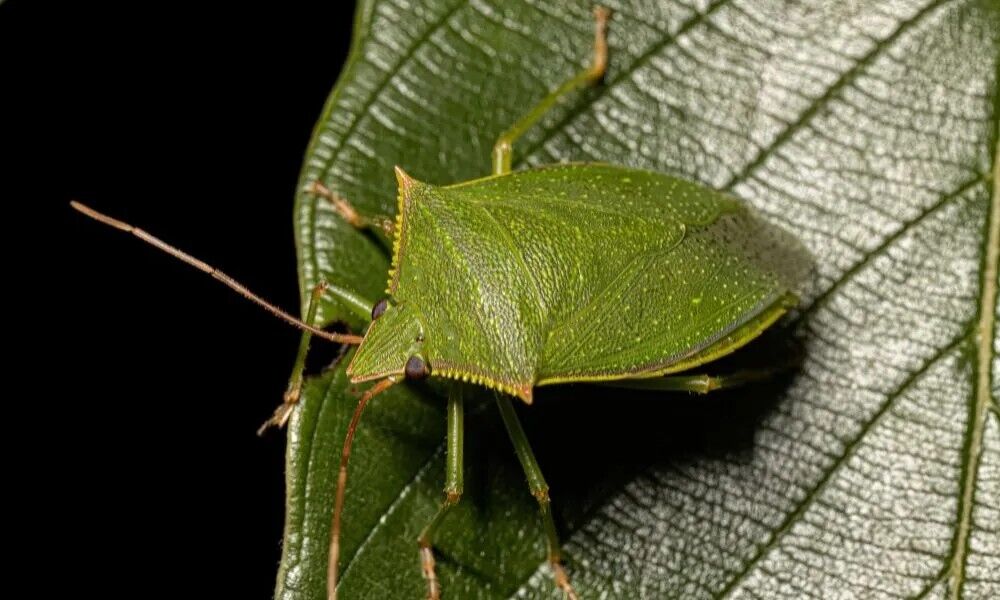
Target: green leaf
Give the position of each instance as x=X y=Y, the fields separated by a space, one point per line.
x=868 y=129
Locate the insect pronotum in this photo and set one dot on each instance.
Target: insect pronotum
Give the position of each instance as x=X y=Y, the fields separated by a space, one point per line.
x=559 y=274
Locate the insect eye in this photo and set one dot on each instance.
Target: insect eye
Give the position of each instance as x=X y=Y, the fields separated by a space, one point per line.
x=416 y=368
x=379 y=308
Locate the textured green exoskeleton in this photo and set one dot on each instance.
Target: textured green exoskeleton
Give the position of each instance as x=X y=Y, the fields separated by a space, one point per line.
x=579 y=272
x=559 y=274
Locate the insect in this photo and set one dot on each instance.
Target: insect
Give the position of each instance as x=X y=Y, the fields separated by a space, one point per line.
x=558 y=274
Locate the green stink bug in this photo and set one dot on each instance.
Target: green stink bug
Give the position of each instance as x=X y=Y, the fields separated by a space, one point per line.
x=560 y=274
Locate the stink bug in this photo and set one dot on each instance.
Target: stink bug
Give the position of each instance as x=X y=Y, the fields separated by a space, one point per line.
x=558 y=274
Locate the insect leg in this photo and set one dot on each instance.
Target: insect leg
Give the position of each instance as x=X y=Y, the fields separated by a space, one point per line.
x=452 y=488
x=294 y=389
x=356 y=304
x=539 y=489
x=698 y=384
x=504 y=146
x=347 y=212
x=338 y=502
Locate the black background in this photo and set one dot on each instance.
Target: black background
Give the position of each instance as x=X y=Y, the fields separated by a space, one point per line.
x=144 y=380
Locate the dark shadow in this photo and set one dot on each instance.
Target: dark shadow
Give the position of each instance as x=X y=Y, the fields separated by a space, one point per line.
x=590 y=440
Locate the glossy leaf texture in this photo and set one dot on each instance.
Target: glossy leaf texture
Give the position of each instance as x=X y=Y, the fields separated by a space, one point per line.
x=868 y=129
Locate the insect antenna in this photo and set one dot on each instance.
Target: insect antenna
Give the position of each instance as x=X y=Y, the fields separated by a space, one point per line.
x=242 y=290
x=338 y=505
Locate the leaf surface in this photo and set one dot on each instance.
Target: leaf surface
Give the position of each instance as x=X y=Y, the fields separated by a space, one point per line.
x=867 y=129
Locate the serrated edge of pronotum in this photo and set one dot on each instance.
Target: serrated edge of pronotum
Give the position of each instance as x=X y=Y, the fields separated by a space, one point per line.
x=985 y=331
x=404 y=183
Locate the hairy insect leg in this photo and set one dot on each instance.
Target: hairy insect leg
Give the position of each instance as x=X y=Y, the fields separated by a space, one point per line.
x=504 y=147
x=294 y=389
x=347 y=211
x=539 y=489
x=452 y=488
x=697 y=384
x=338 y=502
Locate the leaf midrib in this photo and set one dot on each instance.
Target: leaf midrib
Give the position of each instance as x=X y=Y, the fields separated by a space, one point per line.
x=984 y=354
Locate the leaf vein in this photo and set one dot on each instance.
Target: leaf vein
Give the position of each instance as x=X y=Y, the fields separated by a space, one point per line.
x=841 y=83
x=626 y=73
x=403 y=493
x=359 y=114
x=985 y=332
x=778 y=534
x=889 y=241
